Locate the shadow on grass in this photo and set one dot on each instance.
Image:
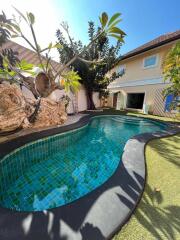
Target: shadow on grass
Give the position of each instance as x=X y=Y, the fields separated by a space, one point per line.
x=159 y=221
x=168 y=151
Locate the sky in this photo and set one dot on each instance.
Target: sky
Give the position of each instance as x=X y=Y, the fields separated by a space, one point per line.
x=142 y=20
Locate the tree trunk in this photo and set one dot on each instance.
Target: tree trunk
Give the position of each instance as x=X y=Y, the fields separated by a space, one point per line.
x=32 y=118
x=90 y=103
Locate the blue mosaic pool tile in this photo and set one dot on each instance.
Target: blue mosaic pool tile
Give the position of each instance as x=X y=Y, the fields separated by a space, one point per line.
x=57 y=170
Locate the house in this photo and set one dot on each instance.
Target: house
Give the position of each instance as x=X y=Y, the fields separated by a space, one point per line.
x=31 y=57
x=140 y=88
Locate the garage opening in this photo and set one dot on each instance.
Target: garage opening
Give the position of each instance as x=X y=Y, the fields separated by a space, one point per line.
x=135 y=100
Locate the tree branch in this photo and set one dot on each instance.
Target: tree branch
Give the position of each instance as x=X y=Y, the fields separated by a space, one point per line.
x=76 y=56
x=37 y=47
x=90 y=62
x=28 y=42
x=66 y=29
x=53 y=67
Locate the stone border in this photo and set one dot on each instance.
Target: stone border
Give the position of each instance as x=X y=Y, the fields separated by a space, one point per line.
x=97 y=215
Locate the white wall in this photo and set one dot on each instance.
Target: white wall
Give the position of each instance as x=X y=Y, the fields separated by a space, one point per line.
x=96 y=99
x=82 y=99
x=56 y=96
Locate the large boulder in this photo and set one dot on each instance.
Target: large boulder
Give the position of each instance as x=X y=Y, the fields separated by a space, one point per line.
x=12 y=108
x=15 y=110
x=50 y=113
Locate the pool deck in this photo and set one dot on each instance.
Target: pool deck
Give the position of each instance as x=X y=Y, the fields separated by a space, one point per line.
x=70 y=120
x=96 y=216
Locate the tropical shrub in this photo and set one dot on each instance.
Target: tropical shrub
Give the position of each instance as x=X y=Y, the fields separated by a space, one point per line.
x=171 y=73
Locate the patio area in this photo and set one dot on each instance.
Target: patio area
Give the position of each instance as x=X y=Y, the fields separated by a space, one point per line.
x=70 y=120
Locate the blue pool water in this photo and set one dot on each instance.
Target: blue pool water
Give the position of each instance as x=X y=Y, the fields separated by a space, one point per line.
x=57 y=170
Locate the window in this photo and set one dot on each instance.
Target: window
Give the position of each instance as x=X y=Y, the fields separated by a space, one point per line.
x=121 y=69
x=150 y=61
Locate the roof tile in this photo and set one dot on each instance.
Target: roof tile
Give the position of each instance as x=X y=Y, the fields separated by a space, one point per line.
x=161 y=40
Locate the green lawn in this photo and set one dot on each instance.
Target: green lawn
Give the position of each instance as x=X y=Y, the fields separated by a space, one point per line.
x=138 y=114
x=158 y=213
x=165 y=119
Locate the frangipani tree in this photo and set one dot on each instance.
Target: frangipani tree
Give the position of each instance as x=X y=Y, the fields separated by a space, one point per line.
x=13 y=69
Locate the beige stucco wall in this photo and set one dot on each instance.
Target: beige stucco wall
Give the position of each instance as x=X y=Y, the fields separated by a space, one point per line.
x=134 y=66
x=149 y=90
x=136 y=74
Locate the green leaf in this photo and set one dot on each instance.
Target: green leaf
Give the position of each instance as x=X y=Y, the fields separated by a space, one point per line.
x=71 y=81
x=25 y=66
x=115 y=23
x=41 y=65
x=16 y=27
x=118 y=37
x=104 y=19
x=113 y=18
x=117 y=30
x=9 y=28
x=31 y=18
x=50 y=45
x=12 y=73
x=21 y=14
x=57 y=45
x=39 y=47
x=14 y=36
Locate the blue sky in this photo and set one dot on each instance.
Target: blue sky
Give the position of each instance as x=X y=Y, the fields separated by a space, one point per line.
x=143 y=20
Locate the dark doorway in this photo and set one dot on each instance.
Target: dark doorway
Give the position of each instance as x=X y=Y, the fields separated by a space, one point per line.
x=135 y=100
x=115 y=99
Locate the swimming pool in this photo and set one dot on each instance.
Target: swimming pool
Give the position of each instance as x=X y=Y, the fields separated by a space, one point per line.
x=57 y=170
